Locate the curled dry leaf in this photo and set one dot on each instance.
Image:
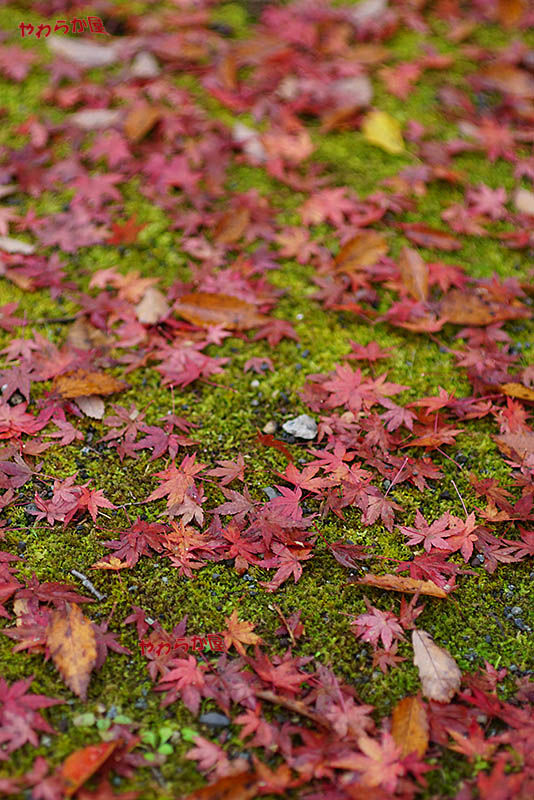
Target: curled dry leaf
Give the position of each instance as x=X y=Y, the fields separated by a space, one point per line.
x=80 y=383
x=414 y=273
x=364 y=249
x=80 y=765
x=152 y=308
x=231 y=226
x=397 y=583
x=518 y=391
x=71 y=639
x=439 y=672
x=204 y=309
x=409 y=726
x=382 y=130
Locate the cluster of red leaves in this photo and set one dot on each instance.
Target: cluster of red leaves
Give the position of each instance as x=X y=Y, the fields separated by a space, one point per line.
x=306 y=59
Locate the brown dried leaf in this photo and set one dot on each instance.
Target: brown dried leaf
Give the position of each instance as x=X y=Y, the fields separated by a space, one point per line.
x=509 y=12
x=468 y=308
x=232 y=225
x=521 y=444
x=396 y=583
x=243 y=786
x=409 y=726
x=140 y=120
x=439 y=672
x=204 y=308
x=71 y=639
x=425 y=236
x=518 y=391
x=414 y=273
x=363 y=250
x=524 y=201
x=84 y=336
x=508 y=79
x=80 y=383
x=152 y=308
x=92 y=406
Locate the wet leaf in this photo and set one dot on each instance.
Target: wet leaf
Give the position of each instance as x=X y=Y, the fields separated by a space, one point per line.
x=439 y=672
x=71 y=640
x=79 y=766
x=409 y=726
x=382 y=130
x=363 y=250
x=80 y=383
x=204 y=309
x=414 y=273
x=396 y=583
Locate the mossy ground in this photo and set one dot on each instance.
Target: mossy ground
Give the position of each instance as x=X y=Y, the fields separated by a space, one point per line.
x=473 y=628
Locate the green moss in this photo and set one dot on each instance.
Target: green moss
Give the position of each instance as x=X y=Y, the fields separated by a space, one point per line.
x=229 y=415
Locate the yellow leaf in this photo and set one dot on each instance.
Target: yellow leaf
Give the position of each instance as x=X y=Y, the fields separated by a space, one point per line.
x=409 y=726
x=383 y=131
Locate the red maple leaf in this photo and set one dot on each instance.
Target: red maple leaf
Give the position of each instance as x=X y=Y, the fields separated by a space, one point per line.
x=19 y=719
x=377 y=624
x=142 y=539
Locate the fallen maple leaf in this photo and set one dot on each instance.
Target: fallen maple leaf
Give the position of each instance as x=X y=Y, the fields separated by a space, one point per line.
x=409 y=726
x=239 y=633
x=71 y=639
x=439 y=672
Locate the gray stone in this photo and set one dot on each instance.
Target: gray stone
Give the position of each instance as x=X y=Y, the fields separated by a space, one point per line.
x=214 y=720
x=303 y=427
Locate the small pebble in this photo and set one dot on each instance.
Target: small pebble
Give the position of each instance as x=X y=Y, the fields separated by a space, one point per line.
x=270 y=427
x=303 y=427
x=255 y=383
x=214 y=720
